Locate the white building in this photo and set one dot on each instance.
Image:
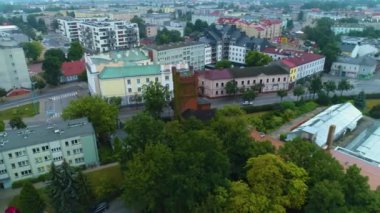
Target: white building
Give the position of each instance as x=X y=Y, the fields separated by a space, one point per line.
x=361 y=67
x=69 y=27
x=210 y=19
x=344 y=116
x=108 y=35
x=13 y=70
x=345 y=29
x=29 y=153
x=237 y=54
x=208 y=52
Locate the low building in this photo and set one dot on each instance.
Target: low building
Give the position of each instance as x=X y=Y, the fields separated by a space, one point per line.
x=192 y=53
x=71 y=70
x=271 y=78
x=151 y=30
x=361 y=67
x=14 y=74
x=344 y=116
x=347 y=28
x=157 y=18
x=29 y=153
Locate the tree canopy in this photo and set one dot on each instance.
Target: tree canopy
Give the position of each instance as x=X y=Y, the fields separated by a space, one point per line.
x=223 y=64
x=17 y=122
x=141 y=24
x=52 y=70
x=55 y=53
x=32 y=49
x=166 y=36
x=255 y=58
x=76 y=51
x=30 y=199
x=155 y=97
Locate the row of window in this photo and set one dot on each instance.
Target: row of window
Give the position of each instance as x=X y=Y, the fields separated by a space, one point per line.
x=73 y=142
x=79 y=160
x=42 y=159
x=24 y=173
x=4 y=171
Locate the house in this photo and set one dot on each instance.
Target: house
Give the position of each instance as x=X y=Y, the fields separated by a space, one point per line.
x=344 y=116
x=71 y=70
x=360 y=67
x=29 y=153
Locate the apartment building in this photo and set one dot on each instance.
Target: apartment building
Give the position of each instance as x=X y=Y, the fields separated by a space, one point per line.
x=303 y=65
x=29 y=153
x=271 y=78
x=124 y=73
x=346 y=28
x=108 y=35
x=360 y=67
x=14 y=74
x=69 y=27
x=151 y=30
x=191 y=53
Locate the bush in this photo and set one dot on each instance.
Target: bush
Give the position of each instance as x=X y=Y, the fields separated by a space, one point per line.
x=307 y=107
x=262 y=108
x=20 y=183
x=283 y=137
x=288 y=105
x=375 y=112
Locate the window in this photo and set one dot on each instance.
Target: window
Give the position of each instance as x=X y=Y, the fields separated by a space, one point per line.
x=16 y=175
x=79 y=160
x=20 y=153
x=10 y=155
x=279 y=79
x=3 y=171
x=217 y=84
x=41 y=169
x=156 y=79
x=138 y=81
x=68 y=152
x=248 y=82
x=267 y=80
x=147 y=80
x=272 y=80
x=284 y=78
x=13 y=166
x=23 y=163
x=129 y=90
x=261 y=81
x=254 y=81
x=221 y=92
x=203 y=83
x=74 y=142
x=47 y=158
x=58 y=158
x=166 y=77
x=45 y=148
x=242 y=82
x=57 y=149
x=221 y=84
x=216 y=93
x=129 y=82
x=67 y=143
x=1 y=161
x=36 y=150
x=26 y=172
x=38 y=160
x=139 y=89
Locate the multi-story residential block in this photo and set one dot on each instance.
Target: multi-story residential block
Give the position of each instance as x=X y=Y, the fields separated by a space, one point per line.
x=361 y=67
x=212 y=83
x=69 y=27
x=228 y=42
x=29 y=153
x=302 y=65
x=346 y=28
x=108 y=35
x=14 y=76
x=151 y=30
x=192 y=53
x=266 y=28
x=157 y=18
x=124 y=73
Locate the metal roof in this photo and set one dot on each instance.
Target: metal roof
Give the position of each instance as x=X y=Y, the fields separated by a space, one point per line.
x=129 y=71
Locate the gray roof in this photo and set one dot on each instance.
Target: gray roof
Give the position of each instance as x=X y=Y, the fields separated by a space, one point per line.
x=14 y=139
x=347 y=47
x=363 y=60
x=273 y=69
x=173 y=45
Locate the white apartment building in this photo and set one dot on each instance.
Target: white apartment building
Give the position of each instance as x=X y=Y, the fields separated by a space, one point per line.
x=108 y=35
x=13 y=70
x=29 y=153
x=69 y=27
x=208 y=52
x=345 y=29
x=237 y=54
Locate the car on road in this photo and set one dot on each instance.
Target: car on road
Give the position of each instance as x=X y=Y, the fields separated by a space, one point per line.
x=246 y=103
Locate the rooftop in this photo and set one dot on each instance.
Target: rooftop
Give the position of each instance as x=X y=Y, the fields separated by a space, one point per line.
x=363 y=60
x=14 y=139
x=127 y=57
x=174 y=45
x=217 y=74
x=73 y=68
x=256 y=71
x=303 y=58
x=129 y=71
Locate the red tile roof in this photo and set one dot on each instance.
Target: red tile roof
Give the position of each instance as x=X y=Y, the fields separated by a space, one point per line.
x=217 y=74
x=367 y=169
x=227 y=20
x=303 y=58
x=73 y=68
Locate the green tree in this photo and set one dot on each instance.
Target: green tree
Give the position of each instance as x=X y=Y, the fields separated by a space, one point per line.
x=375 y=112
x=289 y=24
x=2 y=126
x=273 y=185
x=298 y=91
x=30 y=199
x=3 y=93
x=360 y=101
x=326 y=197
x=63 y=189
x=155 y=97
x=323 y=99
x=17 y=122
x=56 y=53
x=32 y=49
x=86 y=195
x=38 y=82
x=141 y=24
x=83 y=76
x=329 y=86
x=315 y=85
x=282 y=93
x=223 y=64
x=166 y=36
x=231 y=87
x=344 y=85
x=249 y=94
x=52 y=68
x=101 y=114
x=76 y=51
x=255 y=58
x=300 y=16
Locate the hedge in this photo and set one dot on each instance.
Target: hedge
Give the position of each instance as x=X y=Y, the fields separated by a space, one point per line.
x=20 y=183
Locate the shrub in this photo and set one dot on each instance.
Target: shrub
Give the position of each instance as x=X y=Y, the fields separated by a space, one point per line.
x=262 y=108
x=308 y=107
x=20 y=183
x=375 y=112
x=283 y=137
x=288 y=105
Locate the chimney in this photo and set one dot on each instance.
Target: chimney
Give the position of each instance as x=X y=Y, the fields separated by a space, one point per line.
x=330 y=137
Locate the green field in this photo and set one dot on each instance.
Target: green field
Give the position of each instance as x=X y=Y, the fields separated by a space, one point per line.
x=24 y=111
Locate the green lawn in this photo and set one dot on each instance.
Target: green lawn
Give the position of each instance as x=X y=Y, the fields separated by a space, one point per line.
x=372 y=102
x=24 y=111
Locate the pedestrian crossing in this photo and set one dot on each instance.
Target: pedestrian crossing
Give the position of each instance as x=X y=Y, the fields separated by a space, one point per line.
x=66 y=95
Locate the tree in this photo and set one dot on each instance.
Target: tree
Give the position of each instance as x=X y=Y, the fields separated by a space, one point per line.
x=231 y=87
x=298 y=91
x=315 y=85
x=38 y=83
x=273 y=185
x=375 y=112
x=86 y=195
x=249 y=94
x=32 y=49
x=255 y=58
x=300 y=16
x=57 y=53
x=17 y=122
x=282 y=93
x=344 y=85
x=326 y=197
x=223 y=64
x=54 y=24
x=30 y=199
x=329 y=86
x=166 y=36
x=155 y=98
x=63 y=189
x=289 y=24
x=76 y=51
x=2 y=126
x=83 y=76
x=323 y=99
x=52 y=68
x=101 y=114
x=360 y=101
x=3 y=93
x=141 y=24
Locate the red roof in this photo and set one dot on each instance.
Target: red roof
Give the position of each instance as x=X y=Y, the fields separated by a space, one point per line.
x=227 y=20
x=73 y=68
x=367 y=169
x=303 y=58
x=216 y=13
x=217 y=74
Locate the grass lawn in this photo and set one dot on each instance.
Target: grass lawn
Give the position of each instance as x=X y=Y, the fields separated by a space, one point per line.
x=105 y=180
x=24 y=111
x=371 y=103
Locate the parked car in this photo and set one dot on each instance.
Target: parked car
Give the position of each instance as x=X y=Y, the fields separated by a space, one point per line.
x=246 y=103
